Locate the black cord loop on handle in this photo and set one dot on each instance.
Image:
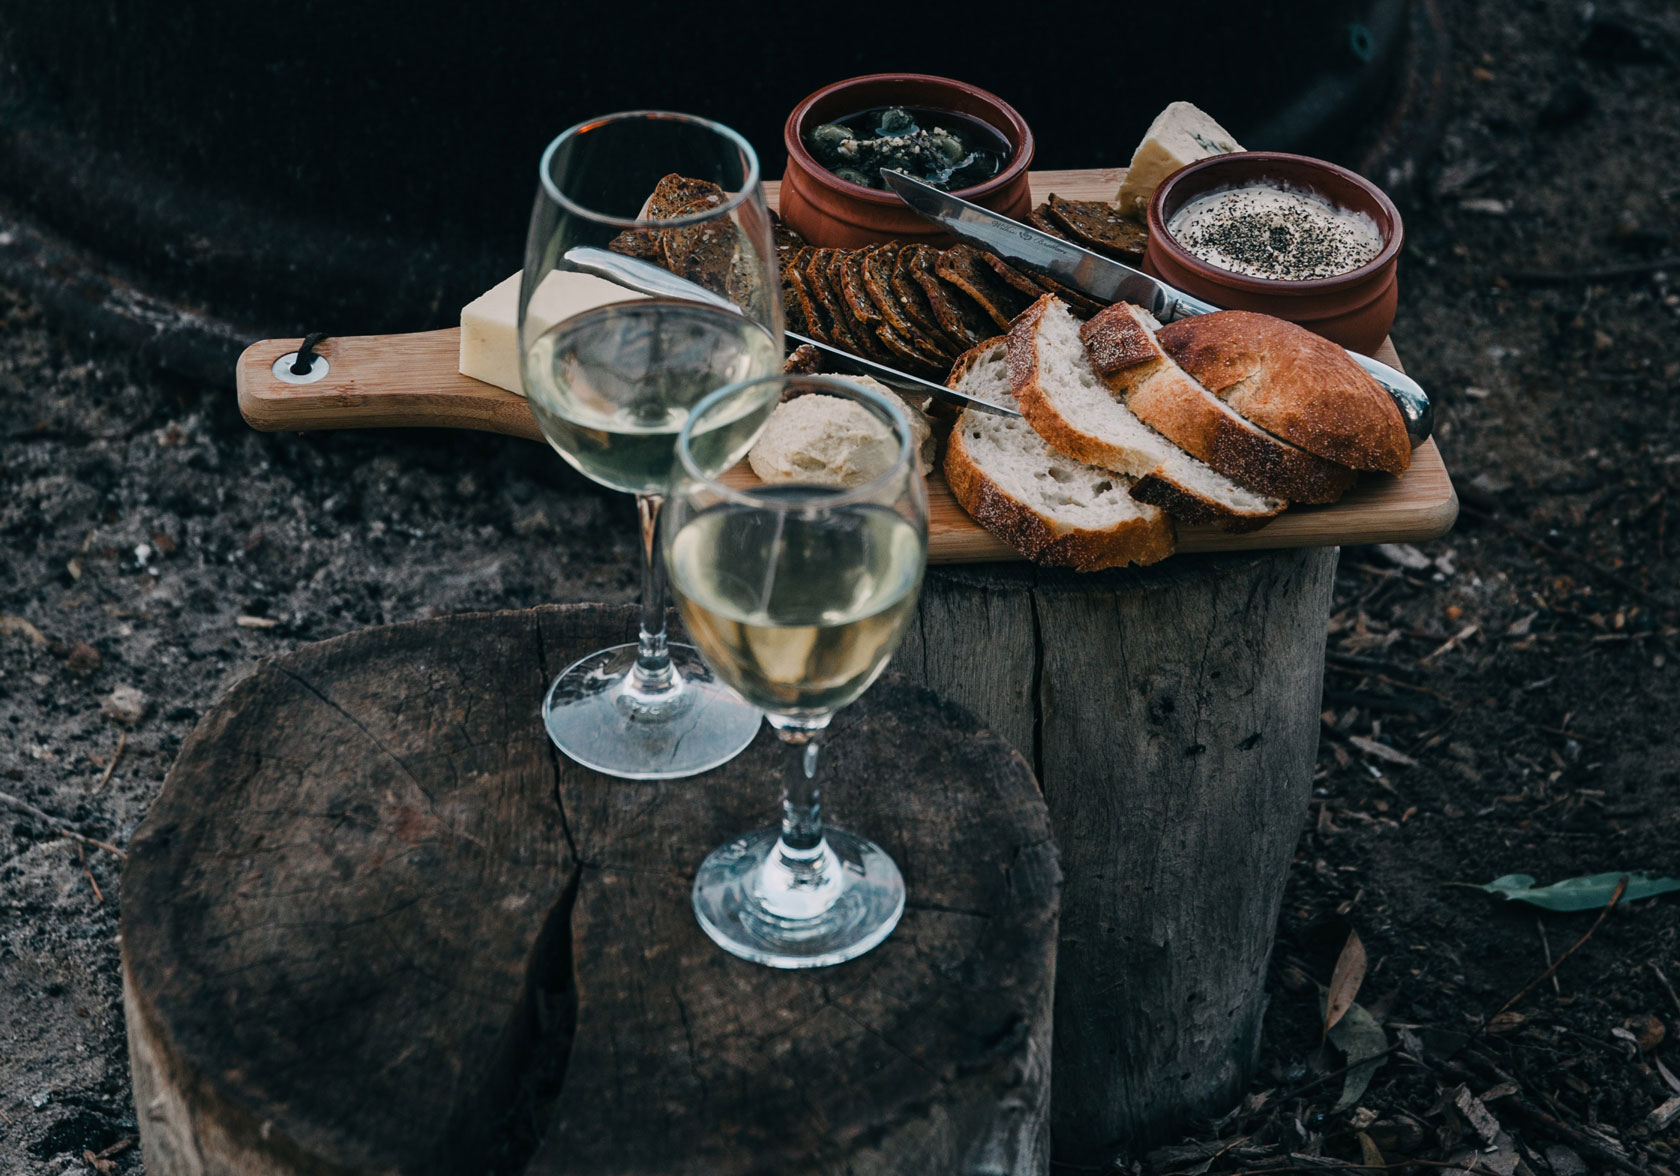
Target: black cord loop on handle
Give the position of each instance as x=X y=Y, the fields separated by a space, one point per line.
x=306 y=353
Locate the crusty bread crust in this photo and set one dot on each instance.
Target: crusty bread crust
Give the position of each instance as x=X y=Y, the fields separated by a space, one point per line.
x=1034 y=401
x=1131 y=541
x=1125 y=351
x=1294 y=383
x=1170 y=402
x=959 y=370
x=1187 y=508
x=1118 y=343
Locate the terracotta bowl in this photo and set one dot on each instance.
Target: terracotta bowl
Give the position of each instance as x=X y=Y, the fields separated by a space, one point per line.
x=829 y=211
x=1355 y=309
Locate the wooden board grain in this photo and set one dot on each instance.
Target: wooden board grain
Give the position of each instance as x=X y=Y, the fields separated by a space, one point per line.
x=411 y=380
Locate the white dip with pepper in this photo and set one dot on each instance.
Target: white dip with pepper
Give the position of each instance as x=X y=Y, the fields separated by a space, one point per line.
x=1270 y=231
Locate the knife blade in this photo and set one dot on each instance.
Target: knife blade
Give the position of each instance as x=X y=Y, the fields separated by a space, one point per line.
x=643 y=276
x=1108 y=280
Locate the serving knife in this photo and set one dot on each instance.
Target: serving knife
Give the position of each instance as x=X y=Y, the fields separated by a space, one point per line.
x=1108 y=280
x=643 y=276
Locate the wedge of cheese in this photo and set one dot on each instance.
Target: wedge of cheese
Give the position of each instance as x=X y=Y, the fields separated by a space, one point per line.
x=490 y=322
x=1180 y=134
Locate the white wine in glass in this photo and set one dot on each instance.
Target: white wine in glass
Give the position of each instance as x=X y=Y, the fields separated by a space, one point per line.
x=797 y=596
x=611 y=386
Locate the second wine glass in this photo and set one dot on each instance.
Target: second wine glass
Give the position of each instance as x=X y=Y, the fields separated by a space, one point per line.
x=610 y=386
x=797 y=595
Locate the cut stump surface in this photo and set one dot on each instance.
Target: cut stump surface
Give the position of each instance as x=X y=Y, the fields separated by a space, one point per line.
x=375 y=924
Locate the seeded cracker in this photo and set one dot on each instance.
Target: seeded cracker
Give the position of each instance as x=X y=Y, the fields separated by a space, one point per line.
x=925 y=324
x=957 y=314
x=1100 y=227
x=961 y=266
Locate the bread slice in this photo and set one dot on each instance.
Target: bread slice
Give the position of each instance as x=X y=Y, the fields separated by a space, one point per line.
x=1122 y=345
x=1075 y=301
x=1066 y=402
x=909 y=352
x=924 y=330
x=1295 y=384
x=1014 y=279
x=1099 y=226
x=1039 y=218
x=638 y=243
x=787 y=239
x=811 y=264
x=962 y=268
x=674 y=194
x=957 y=315
x=1050 y=508
x=810 y=313
x=858 y=301
x=877 y=267
x=840 y=307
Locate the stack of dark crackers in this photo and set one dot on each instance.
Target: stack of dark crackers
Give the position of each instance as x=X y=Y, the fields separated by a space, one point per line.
x=913 y=307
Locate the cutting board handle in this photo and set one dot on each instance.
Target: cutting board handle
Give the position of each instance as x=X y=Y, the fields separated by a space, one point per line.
x=378 y=382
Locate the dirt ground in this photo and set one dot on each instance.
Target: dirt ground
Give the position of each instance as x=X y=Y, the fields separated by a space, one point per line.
x=1502 y=701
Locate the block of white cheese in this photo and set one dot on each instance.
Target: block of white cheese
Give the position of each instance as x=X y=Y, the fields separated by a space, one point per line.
x=1180 y=134
x=490 y=322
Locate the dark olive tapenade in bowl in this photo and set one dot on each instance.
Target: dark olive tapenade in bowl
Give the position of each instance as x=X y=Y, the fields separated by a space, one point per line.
x=1354 y=308
x=830 y=210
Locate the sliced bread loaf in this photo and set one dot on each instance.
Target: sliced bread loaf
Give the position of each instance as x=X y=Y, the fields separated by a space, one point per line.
x=1123 y=348
x=1068 y=404
x=1051 y=508
x=1295 y=384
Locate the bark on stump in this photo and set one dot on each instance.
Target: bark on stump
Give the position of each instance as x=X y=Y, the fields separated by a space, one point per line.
x=373 y=923
x=1171 y=714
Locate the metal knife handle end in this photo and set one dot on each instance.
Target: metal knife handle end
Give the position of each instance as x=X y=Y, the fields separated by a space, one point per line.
x=1408 y=395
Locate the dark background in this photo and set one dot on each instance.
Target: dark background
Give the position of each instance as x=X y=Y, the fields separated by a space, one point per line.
x=361 y=168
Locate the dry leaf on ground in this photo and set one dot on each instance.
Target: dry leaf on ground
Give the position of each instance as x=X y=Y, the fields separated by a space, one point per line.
x=1349 y=974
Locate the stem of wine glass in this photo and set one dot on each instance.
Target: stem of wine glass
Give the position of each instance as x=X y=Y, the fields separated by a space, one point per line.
x=800 y=878
x=653 y=674
x=802 y=830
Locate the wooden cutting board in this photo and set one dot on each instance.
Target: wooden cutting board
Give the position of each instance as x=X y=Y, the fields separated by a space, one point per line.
x=392 y=381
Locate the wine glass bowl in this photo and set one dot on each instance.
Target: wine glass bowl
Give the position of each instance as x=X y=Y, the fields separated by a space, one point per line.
x=609 y=390
x=797 y=596
x=610 y=385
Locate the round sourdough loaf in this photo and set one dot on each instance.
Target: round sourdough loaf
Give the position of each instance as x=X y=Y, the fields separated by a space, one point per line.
x=1122 y=345
x=1293 y=383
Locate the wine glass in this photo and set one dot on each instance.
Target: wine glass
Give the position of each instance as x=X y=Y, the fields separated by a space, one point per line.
x=610 y=386
x=797 y=595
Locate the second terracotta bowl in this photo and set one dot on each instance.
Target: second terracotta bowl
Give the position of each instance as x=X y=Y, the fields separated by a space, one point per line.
x=1355 y=309
x=829 y=211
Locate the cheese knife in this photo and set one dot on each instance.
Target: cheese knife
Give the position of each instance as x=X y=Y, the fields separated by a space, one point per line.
x=1108 y=280
x=635 y=274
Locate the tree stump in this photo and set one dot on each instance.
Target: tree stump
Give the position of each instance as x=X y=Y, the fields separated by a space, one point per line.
x=1171 y=714
x=375 y=924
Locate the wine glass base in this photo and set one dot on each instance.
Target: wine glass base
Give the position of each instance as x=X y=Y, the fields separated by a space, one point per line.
x=867 y=910
x=595 y=718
